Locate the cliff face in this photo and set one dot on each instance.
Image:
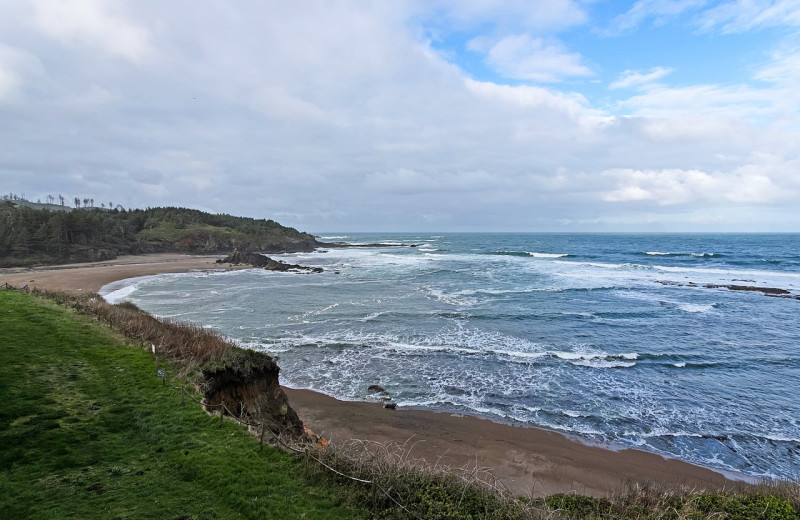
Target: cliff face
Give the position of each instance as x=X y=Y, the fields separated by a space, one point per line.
x=247 y=384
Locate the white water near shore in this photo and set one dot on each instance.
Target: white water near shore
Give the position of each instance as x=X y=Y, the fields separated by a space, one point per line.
x=593 y=343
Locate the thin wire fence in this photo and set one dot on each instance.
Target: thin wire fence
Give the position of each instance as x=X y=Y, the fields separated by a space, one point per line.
x=264 y=427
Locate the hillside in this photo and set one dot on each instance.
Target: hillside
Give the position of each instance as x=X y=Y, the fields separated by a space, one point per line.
x=94 y=434
x=30 y=236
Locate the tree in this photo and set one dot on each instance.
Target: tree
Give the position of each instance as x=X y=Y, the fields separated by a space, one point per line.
x=77 y=202
x=61 y=199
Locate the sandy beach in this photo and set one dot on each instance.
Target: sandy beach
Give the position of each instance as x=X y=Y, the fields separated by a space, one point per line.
x=527 y=460
x=90 y=277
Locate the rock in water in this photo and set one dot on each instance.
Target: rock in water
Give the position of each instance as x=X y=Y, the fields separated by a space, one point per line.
x=258 y=260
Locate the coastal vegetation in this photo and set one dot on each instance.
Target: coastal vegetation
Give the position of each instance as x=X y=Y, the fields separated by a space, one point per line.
x=38 y=234
x=89 y=431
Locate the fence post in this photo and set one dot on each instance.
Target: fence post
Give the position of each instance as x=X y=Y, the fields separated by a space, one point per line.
x=155 y=356
x=182 y=399
x=221 y=413
x=261 y=438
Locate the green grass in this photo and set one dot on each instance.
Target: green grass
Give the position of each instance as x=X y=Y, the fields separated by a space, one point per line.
x=88 y=431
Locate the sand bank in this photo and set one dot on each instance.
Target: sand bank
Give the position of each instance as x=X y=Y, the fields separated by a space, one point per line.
x=529 y=461
x=90 y=277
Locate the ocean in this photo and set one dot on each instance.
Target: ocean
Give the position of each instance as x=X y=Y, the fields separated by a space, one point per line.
x=632 y=340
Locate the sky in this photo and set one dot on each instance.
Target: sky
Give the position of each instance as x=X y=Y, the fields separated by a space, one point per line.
x=411 y=115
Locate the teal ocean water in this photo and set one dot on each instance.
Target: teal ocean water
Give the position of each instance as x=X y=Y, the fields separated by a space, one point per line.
x=630 y=339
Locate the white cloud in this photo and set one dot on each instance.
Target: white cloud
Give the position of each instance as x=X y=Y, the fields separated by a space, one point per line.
x=784 y=67
x=97 y=24
x=637 y=79
x=743 y=15
x=523 y=57
x=660 y=11
x=508 y=15
x=17 y=68
x=747 y=185
x=572 y=106
x=411 y=182
x=736 y=101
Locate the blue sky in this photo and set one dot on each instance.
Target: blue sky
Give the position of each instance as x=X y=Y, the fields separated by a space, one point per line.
x=554 y=115
x=611 y=41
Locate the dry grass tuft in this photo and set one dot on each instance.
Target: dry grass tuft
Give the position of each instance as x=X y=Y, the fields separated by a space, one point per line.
x=188 y=346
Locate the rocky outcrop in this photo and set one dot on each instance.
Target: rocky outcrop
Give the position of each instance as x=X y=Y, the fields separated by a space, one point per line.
x=261 y=261
x=768 y=291
x=246 y=382
x=335 y=245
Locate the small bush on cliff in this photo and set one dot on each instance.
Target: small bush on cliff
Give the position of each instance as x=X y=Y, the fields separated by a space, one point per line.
x=188 y=346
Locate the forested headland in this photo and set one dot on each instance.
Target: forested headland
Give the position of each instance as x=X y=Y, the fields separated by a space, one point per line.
x=31 y=236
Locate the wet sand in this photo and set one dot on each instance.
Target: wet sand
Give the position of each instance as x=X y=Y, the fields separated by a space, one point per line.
x=526 y=460
x=529 y=461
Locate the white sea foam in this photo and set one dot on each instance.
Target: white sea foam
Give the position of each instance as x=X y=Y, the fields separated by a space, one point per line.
x=575 y=356
x=695 y=307
x=120 y=294
x=603 y=363
x=118 y=291
x=523 y=355
x=370 y=317
x=658 y=253
x=546 y=255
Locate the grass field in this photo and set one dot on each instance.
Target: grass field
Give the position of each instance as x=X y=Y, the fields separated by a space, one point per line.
x=88 y=431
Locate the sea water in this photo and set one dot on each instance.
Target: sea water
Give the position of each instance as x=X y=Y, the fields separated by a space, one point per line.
x=612 y=337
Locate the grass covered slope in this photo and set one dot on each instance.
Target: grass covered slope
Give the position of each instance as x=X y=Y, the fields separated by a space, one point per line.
x=87 y=431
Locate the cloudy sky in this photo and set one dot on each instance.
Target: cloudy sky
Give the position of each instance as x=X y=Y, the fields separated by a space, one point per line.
x=419 y=115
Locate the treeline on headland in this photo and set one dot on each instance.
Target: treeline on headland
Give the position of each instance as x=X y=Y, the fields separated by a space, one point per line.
x=30 y=236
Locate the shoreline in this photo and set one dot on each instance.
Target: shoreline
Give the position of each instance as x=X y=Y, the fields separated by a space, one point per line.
x=528 y=460
x=90 y=277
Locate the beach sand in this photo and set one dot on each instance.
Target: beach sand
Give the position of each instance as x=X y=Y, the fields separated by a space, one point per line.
x=529 y=461
x=90 y=277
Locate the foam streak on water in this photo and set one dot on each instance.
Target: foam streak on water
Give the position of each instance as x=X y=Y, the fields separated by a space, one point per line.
x=613 y=337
